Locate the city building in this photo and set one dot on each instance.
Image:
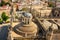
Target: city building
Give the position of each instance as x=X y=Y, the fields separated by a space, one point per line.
x=34 y=24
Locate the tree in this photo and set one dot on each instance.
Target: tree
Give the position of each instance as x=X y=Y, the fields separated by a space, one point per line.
x=1 y=21
x=4 y=17
x=8 y=4
x=51 y=4
x=2 y=3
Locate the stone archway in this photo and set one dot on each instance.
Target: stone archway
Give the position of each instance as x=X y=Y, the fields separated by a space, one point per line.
x=56 y=12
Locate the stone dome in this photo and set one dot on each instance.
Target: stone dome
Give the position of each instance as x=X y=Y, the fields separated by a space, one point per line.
x=26 y=28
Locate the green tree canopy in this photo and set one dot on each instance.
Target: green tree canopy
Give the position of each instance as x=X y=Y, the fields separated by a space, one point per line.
x=4 y=17
x=51 y=4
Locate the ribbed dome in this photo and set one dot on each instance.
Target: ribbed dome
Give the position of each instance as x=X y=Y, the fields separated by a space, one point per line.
x=26 y=26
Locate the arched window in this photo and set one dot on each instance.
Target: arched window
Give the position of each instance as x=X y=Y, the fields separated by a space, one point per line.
x=28 y=20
